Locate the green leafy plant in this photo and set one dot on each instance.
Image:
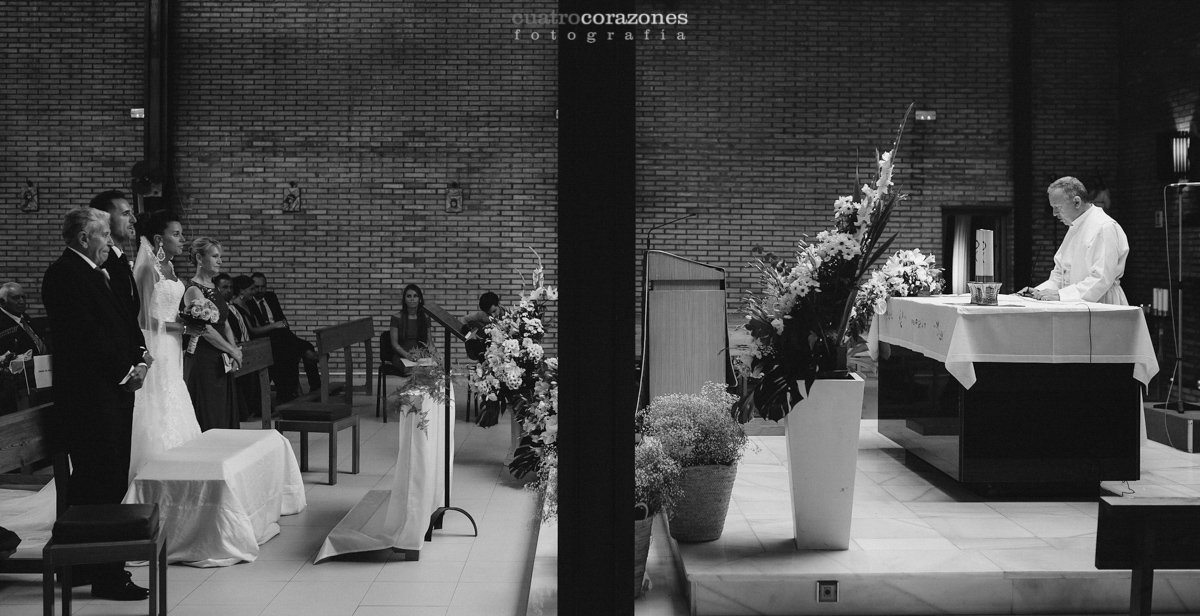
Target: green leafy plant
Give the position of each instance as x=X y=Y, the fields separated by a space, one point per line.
x=655 y=479
x=696 y=429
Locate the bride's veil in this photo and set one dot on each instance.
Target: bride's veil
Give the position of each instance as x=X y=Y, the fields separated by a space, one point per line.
x=145 y=274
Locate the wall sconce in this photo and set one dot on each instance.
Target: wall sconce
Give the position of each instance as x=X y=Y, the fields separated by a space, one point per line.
x=291 y=197
x=29 y=197
x=1174 y=156
x=454 y=199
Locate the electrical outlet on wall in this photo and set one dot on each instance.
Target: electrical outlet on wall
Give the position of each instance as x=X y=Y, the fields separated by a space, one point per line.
x=827 y=591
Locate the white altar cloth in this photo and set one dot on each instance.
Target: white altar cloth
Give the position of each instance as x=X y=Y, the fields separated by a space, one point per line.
x=950 y=329
x=398 y=518
x=220 y=494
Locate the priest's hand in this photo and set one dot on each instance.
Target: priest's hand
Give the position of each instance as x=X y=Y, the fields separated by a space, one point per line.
x=1049 y=295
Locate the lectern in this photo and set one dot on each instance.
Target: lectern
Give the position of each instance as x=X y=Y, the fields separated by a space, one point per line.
x=452 y=327
x=685 y=338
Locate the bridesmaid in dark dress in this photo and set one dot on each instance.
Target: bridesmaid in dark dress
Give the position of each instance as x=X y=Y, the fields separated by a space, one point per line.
x=207 y=381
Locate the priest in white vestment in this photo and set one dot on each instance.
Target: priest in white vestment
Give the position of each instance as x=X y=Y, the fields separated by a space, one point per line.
x=1091 y=260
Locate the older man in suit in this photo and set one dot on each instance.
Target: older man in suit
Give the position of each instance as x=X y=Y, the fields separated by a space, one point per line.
x=99 y=361
x=17 y=334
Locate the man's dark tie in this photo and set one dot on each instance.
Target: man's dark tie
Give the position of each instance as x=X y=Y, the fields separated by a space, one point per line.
x=37 y=342
x=107 y=278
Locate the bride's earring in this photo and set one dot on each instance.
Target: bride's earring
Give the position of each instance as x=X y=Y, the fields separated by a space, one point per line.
x=160 y=256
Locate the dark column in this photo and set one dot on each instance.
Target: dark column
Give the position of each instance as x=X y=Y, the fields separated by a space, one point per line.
x=156 y=139
x=596 y=260
x=1022 y=149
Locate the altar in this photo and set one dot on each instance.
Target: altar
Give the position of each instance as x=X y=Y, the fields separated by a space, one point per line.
x=1024 y=393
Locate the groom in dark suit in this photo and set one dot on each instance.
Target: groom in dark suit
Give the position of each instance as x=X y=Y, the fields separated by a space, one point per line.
x=99 y=361
x=120 y=223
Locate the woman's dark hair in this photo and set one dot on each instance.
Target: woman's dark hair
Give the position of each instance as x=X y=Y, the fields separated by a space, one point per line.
x=241 y=283
x=154 y=223
x=487 y=300
x=420 y=298
x=422 y=318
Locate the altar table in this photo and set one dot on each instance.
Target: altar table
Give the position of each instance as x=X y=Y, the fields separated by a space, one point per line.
x=220 y=495
x=1022 y=393
x=399 y=518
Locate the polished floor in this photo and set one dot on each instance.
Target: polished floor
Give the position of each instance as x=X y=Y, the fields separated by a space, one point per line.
x=457 y=574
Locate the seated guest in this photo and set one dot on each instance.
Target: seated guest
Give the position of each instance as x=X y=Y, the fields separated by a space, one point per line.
x=17 y=333
x=237 y=293
x=475 y=325
x=268 y=320
x=409 y=329
x=1091 y=260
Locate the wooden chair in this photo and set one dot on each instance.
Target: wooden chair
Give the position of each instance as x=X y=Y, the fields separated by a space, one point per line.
x=323 y=411
x=95 y=534
x=1143 y=534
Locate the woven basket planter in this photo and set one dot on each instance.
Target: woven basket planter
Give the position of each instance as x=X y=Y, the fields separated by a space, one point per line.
x=700 y=514
x=641 y=550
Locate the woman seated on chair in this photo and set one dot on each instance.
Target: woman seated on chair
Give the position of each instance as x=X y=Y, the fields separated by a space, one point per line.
x=410 y=330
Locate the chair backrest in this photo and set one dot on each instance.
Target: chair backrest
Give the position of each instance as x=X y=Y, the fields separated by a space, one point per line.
x=386 y=352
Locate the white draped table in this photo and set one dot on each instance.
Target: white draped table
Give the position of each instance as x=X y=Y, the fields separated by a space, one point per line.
x=1019 y=330
x=1025 y=395
x=399 y=518
x=220 y=495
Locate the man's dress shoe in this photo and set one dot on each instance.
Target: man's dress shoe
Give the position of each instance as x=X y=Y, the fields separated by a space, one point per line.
x=120 y=591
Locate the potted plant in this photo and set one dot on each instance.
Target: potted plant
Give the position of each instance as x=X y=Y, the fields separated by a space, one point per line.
x=655 y=490
x=801 y=324
x=699 y=432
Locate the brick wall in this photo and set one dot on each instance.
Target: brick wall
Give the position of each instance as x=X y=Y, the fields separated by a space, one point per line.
x=762 y=118
x=373 y=108
x=71 y=73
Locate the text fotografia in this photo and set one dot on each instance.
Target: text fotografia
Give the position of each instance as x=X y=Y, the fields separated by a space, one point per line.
x=594 y=37
x=629 y=21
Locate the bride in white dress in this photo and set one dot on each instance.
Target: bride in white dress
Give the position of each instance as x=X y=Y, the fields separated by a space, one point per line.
x=163 y=416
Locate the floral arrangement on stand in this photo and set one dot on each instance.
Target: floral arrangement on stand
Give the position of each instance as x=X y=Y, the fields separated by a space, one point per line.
x=426 y=380
x=809 y=312
x=906 y=273
x=515 y=375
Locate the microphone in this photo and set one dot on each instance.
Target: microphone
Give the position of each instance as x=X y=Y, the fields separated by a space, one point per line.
x=1183 y=184
x=659 y=226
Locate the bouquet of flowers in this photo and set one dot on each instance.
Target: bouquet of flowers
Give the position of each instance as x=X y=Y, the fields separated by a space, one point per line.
x=514 y=360
x=801 y=322
x=200 y=313
x=907 y=273
x=427 y=380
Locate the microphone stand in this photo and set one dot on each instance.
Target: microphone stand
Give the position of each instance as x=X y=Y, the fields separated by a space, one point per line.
x=1177 y=323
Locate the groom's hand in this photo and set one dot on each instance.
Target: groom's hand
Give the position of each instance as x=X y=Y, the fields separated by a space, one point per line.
x=136 y=379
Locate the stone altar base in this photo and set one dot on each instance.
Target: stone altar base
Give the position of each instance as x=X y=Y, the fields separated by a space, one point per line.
x=921 y=544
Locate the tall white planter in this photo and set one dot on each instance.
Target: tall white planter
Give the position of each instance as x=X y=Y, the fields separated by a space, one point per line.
x=822 y=446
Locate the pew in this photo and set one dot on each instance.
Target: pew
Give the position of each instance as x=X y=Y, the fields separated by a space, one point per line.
x=331 y=408
x=256 y=360
x=24 y=448
x=1144 y=534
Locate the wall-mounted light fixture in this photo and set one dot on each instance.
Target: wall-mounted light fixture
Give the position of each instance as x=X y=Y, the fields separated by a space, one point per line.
x=454 y=199
x=29 y=197
x=291 y=197
x=1174 y=156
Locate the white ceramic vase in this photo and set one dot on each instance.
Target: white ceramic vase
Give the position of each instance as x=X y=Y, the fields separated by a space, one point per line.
x=822 y=446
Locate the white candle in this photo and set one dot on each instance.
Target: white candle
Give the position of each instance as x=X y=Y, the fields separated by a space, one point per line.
x=983 y=253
